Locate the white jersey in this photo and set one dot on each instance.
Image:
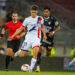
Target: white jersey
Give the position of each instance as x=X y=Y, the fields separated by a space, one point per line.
x=33 y=25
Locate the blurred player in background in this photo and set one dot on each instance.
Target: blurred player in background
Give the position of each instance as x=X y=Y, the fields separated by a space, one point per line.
x=12 y=46
x=34 y=26
x=72 y=55
x=52 y=26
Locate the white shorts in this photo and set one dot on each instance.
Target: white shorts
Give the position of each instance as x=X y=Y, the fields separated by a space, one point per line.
x=30 y=42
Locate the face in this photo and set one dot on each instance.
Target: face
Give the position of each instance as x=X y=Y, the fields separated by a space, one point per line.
x=33 y=13
x=46 y=13
x=15 y=17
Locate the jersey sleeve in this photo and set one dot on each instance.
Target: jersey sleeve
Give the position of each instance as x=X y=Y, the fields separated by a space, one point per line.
x=42 y=21
x=6 y=26
x=56 y=22
x=25 y=23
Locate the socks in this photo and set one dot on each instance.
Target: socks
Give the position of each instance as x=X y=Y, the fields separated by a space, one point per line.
x=38 y=60
x=33 y=62
x=73 y=60
x=17 y=53
x=7 y=61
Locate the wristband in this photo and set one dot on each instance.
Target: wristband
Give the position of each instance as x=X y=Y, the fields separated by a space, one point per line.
x=53 y=32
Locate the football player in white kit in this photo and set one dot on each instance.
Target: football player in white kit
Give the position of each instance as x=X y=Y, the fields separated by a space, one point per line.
x=34 y=26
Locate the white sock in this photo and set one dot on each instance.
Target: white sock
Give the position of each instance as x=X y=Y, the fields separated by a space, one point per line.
x=73 y=60
x=33 y=62
x=17 y=53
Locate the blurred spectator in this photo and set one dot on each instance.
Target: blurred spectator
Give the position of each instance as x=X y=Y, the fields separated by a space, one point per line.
x=8 y=16
x=3 y=12
x=2 y=50
x=22 y=19
x=1 y=24
x=72 y=53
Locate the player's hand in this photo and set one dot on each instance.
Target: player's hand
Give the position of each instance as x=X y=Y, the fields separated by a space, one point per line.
x=45 y=37
x=51 y=34
x=10 y=38
x=18 y=36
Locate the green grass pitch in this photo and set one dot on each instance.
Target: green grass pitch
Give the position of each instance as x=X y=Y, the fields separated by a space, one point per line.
x=35 y=73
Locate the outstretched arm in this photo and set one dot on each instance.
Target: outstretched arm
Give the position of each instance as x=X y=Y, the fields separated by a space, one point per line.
x=17 y=32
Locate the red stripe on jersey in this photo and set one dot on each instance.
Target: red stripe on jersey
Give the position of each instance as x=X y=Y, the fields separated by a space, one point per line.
x=38 y=32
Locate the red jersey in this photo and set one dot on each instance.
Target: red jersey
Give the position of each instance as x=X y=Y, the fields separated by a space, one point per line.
x=12 y=28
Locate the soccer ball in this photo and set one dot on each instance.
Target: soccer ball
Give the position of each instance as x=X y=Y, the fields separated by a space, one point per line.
x=25 y=68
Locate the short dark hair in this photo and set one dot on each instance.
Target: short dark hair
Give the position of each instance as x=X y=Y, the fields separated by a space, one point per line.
x=47 y=8
x=34 y=7
x=14 y=12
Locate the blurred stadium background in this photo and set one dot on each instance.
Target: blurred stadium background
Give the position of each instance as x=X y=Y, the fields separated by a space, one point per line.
x=63 y=10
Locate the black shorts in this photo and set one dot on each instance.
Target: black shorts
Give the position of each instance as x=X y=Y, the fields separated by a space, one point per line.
x=49 y=42
x=14 y=44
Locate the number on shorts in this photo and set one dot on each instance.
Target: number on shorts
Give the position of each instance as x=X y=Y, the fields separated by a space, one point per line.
x=24 y=44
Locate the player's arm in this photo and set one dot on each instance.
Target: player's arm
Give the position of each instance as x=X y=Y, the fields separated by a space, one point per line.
x=21 y=35
x=54 y=31
x=17 y=32
x=43 y=31
x=57 y=29
x=2 y=33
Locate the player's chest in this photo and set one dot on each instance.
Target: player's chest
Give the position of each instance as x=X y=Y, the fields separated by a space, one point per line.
x=33 y=22
x=13 y=27
x=48 y=22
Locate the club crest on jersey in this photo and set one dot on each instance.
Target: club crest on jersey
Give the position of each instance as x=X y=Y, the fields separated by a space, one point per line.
x=49 y=23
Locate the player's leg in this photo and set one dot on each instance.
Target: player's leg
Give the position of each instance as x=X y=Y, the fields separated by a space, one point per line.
x=13 y=46
x=22 y=53
x=48 y=50
x=39 y=58
x=9 y=57
x=35 y=47
x=34 y=59
x=25 y=48
x=49 y=46
x=70 y=64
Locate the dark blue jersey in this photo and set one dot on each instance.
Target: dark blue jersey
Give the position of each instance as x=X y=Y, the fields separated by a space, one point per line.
x=50 y=23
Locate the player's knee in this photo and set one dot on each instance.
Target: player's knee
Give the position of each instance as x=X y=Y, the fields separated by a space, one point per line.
x=35 y=57
x=10 y=52
x=22 y=54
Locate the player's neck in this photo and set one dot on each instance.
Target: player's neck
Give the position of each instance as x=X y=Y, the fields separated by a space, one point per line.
x=46 y=17
x=14 y=21
x=34 y=16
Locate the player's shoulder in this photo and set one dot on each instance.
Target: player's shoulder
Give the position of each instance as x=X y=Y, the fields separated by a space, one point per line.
x=40 y=17
x=53 y=18
x=8 y=23
x=27 y=18
x=19 y=22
